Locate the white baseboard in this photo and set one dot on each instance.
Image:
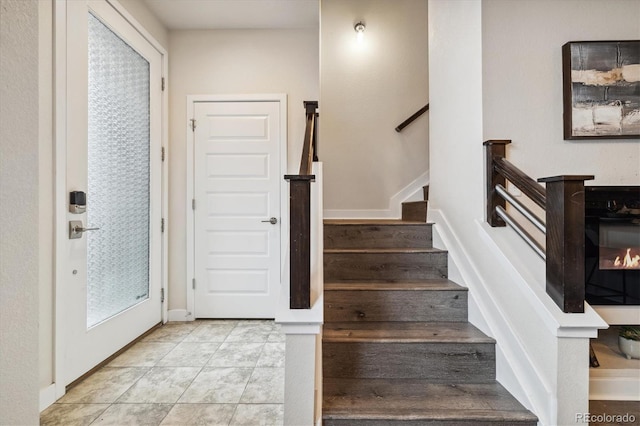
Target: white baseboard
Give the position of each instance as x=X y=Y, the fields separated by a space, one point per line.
x=411 y=192
x=47 y=396
x=623 y=387
x=179 y=315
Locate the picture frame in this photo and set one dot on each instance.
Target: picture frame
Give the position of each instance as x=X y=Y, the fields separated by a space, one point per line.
x=601 y=89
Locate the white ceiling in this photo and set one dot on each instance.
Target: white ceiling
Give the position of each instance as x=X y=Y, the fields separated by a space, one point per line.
x=235 y=14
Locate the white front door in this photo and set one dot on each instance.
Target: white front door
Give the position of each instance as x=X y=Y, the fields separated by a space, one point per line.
x=236 y=187
x=110 y=278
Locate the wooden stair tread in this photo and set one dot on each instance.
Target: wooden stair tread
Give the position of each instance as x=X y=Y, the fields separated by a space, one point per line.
x=432 y=284
x=374 y=222
x=403 y=332
x=383 y=250
x=411 y=399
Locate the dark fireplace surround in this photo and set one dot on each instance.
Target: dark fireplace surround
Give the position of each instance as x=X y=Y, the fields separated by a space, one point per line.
x=612 y=245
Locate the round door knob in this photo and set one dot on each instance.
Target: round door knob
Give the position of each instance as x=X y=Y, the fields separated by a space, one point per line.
x=272 y=221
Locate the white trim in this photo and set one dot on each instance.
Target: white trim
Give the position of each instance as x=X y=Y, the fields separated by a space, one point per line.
x=411 y=192
x=619 y=386
x=284 y=199
x=619 y=315
x=178 y=315
x=301 y=328
x=47 y=396
x=60 y=196
x=137 y=25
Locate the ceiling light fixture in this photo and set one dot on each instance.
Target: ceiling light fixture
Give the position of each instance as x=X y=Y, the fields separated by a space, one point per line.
x=359 y=28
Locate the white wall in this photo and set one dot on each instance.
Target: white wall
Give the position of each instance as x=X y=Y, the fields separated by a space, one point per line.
x=19 y=264
x=231 y=62
x=522 y=84
x=367 y=89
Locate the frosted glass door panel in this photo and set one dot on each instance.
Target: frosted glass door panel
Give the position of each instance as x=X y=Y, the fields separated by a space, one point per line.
x=118 y=175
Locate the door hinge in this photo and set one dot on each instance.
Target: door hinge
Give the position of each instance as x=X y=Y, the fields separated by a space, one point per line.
x=162 y=225
x=162 y=295
x=162 y=83
x=193 y=204
x=193 y=283
x=193 y=124
x=162 y=154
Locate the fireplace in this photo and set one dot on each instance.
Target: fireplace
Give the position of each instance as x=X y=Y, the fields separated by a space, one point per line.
x=612 y=245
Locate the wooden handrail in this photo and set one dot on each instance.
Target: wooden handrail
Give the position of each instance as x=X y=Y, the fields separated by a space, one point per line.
x=563 y=203
x=300 y=216
x=520 y=180
x=411 y=119
x=309 y=145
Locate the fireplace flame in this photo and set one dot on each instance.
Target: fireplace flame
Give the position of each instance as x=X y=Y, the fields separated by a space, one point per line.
x=627 y=261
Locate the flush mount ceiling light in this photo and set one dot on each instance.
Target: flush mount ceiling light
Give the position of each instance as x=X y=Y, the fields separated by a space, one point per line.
x=359 y=27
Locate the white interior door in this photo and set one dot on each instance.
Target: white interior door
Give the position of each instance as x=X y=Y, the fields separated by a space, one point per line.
x=237 y=209
x=112 y=275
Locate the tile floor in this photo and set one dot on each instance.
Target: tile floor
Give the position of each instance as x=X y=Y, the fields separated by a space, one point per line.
x=206 y=372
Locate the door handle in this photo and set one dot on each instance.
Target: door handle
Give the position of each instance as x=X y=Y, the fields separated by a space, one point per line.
x=76 y=229
x=272 y=221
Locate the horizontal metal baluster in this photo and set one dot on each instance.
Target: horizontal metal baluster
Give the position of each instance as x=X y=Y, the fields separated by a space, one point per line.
x=520 y=231
x=521 y=208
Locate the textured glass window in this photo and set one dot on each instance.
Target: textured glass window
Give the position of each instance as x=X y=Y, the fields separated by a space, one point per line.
x=118 y=164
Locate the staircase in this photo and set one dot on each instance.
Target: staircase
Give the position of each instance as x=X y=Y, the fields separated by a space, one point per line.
x=397 y=346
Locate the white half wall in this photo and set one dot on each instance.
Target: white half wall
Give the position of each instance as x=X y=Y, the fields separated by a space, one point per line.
x=367 y=89
x=19 y=204
x=216 y=62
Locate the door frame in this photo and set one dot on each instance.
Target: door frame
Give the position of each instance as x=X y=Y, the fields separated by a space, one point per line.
x=281 y=98
x=60 y=177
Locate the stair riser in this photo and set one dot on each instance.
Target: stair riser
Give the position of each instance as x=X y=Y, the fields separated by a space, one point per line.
x=436 y=362
x=384 y=266
x=423 y=422
x=377 y=236
x=414 y=211
x=395 y=306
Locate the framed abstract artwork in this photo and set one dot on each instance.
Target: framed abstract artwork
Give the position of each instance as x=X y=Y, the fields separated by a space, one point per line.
x=601 y=89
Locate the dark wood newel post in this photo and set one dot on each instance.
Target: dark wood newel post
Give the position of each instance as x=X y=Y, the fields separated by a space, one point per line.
x=494 y=149
x=565 y=241
x=300 y=240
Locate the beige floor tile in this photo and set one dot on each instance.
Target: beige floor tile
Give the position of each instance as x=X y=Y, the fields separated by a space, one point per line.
x=210 y=332
x=266 y=386
x=189 y=354
x=250 y=333
x=236 y=355
x=258 y=415
x=143 y=354
x=277 y=337
x=217 y=385
x=200 y=414
x=104 y=386
x=133 y=414
x=171 y=332
x=272 y=355
x=71 y=414
x=160 y=385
